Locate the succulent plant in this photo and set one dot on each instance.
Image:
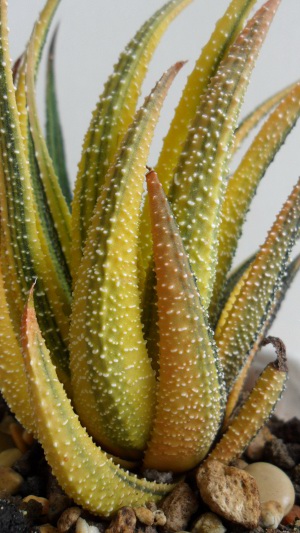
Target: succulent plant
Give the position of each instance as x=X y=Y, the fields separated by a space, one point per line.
x=125 y=339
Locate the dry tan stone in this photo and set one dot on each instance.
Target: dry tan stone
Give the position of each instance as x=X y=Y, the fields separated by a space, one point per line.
x=144 y=515
x=229 y=492
x=124 y=521
x=208 y=523
x=271 y=514
x=10 y=481
x=47 y=528
x=179 y=506
x=10 y=456
x=159 y=518
x=82 y=526
x=68 y=518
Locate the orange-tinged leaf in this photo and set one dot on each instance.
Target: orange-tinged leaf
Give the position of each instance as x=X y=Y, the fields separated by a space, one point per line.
x=190 y=390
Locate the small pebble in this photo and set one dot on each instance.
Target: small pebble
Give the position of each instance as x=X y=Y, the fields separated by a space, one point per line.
x=159 y=518
x=16 y=432
x=10 y=481
x=5 y=441
x=83 y=527
x=42 y=501
x=208 y=523
x=125 y=521
x=271 y=514
x=10 y=456
x=68 y=518
x=179 y=506
x=144 y=515
x=257 y=445
x=46 y=528
x=230 y=492
x=273 y=485
x=292 y=516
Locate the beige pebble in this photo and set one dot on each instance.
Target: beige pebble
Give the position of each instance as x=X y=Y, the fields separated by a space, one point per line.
x=10 y=456
x=68 y=518
x=10 y=481
x=83 y=527
x=16 y=432
x=47 y=528
x=208 y=523
x=273 y=485
x=43 y=501
x=229 y=492
x=271 y=514
x=159 y=518
x=144 y=515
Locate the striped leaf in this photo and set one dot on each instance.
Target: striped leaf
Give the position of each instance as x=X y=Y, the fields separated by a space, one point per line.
x=82 y=469
x=190 y=391
x=200 y=179
x=112 y=378
x=244 y=315
x=256 y=409
x=54 y=134
x=243 y=184
x=23 y=247
x=224 y=34
x=111 y=119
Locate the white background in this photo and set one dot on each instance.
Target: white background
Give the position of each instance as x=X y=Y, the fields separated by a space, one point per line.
x=91 y=35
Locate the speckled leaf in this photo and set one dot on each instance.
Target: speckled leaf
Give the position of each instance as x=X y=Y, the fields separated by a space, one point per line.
x=55 y=198
x=189 y=396
x=12 y=373
x=54 y=134
x=243 y=184
x=247 y=125
x=112 y=378
x=199 y=182
x=256 y=410
x=247 y=309
x=82 y=469
x=111 y=119
x=23 y=247
x=225 y=32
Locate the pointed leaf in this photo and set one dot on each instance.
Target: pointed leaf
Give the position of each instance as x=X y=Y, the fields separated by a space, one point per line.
x=56 y=201
x=224 y=34
x=112 y=378
x=199 y=182
x=243 y=184
x=247 y=309
x=23 y=247
x=111 y=119
x=54 y=133
x=82 y=469
x=256 y=409
x=189 y=396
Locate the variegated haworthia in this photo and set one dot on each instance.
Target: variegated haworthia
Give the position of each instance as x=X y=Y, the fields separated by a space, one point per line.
x=125 y=340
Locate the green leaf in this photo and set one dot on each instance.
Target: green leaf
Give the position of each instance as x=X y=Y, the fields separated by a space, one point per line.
x=23 y=245
x=112 y=378
x=54 y=135
x=244 y=315
x=243 y=184
x=256 y=410
x=82 y=469
x=206 y=67
x=111 y=119
x=190 y=388
x=200 y=178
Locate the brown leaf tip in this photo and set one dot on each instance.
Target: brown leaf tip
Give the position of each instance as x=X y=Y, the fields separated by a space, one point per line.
x=280 y=349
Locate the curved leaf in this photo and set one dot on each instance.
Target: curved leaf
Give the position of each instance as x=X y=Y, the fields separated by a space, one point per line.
x=112 y=378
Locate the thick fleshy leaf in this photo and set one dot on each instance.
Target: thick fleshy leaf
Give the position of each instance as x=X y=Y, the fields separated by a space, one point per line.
x=244 y=315
x=225 y=32
x=55 y=198
x=111 y=119
x=54 y=134
x=256 y=409
x=190 y=388
x=243 y=184
x=199 y=183
x=12 y=372
x=82 y=469
x=253 y=119
x=112 y=378
x=23 y=247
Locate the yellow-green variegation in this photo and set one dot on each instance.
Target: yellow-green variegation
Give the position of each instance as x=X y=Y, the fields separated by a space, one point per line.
x=125 y=338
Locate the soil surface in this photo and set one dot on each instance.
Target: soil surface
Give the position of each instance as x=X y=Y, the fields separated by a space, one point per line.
x=50 y=510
